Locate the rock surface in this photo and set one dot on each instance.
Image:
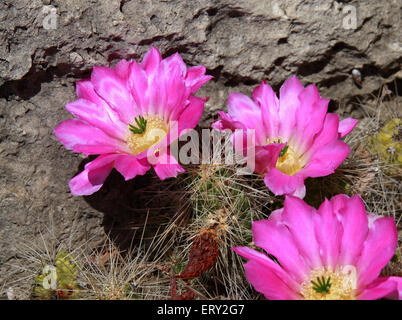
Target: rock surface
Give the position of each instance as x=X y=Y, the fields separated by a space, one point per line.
x=48 y=45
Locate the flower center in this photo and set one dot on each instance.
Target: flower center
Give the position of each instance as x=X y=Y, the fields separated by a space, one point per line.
x=326 y=284
x=288 y=162
x=146 y=132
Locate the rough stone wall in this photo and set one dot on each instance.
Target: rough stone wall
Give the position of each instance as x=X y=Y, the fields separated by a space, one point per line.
x=45 y=46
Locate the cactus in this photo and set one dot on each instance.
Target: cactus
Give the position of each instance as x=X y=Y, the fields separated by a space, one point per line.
x=58 y=281
x=387 y=144
x=224 y=203
x=218 y=200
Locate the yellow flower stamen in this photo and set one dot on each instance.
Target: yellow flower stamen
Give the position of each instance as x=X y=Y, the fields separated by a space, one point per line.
x=289 y=162
x=342 y=285
x=155 y=130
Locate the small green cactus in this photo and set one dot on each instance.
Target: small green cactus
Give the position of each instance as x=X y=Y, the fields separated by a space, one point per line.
x=58 y=281
x=387 y=144
x=220 y=199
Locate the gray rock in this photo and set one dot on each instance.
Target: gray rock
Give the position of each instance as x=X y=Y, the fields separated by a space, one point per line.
x=240 y=42
x=45 y=46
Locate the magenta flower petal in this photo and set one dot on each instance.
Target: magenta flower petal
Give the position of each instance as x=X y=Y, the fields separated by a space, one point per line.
x=353 y=217
x=310 y=117
x=260 y=257
x=177 y=91
x=131 y=166
x=85 y=90
x=122 y=69
x=227 y=122
x=176 y=62
x=323 y=254
x=275 y=238
x=397 y=293
x=326 y=159
x=329 y=234
x=267 y=282
x=196 y=77
x=328 y=134
x=113 y=89
x=138 y=84
x=80 y=136
x=341 y=201
x=280 y=183
x=150 y=62
x=131 y=113
x=378 y=249
x=299 y=218
x=244 y=110
x=276 y=215
x=263 y=262
x=298 y=119
x=192 y=114
x=346 y=126
x=95 y=173
x=169 y=169
x=379 y=288
x=289 y=103
x=267 y=100
x=97 y=117
x=266 y=156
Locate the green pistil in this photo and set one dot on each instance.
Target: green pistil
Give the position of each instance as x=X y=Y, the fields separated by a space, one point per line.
x=141 y=123
x=283 y=151
x=322 y=285
x=285 y=148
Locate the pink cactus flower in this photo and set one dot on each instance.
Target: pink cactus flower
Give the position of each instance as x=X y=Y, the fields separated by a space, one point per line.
x=334 y=253
x=295 y=137
x=129 y=112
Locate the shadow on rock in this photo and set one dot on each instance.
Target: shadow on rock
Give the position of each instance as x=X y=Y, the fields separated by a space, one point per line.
x=139 y=209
